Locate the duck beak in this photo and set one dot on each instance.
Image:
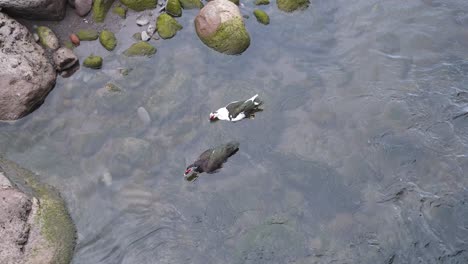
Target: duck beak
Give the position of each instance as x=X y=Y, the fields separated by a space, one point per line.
x=212 y=117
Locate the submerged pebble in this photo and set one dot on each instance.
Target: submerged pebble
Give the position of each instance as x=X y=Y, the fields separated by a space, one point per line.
x=144 y=115
x=141 y=21
x=145 y=36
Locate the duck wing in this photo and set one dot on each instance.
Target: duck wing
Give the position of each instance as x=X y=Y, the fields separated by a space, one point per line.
x=248 y=106
x=220 y=155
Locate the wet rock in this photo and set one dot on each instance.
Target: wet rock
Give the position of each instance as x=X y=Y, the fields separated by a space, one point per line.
x=261 y=16
x=87 y=34
x=69 y=44
x=82 y=7
x=220 y=26
x=108 y=40
x=173 y=8
x=35 y=9
x=145 y=36
x=100 y=9
x=191 y=4
x=26 y=76
x=47 y=38
x=292 y=5
x=141 y=48
x=140 y=5
x=35 y=226
x=151 y=29
x=36 y=37
x=70 y=71
x=64 y=58
x=236 y=2
x=120 y=11
x=142 y=21
x=93 y=62
x=262 y=2
x=74 y=39
x=167 y=26
x=137 y=36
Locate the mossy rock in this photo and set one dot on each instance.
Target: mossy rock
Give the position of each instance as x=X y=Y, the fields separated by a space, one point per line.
x=261 y=16
x=167 y=26
x=87 y=34
x=262 y=2
x=100 y=9
x=140 y=5
x=69 y=45
x=120 y=11
x=173 y=8
x=292 y=5
x=93 y=62
x=47 y=38
x=108 y=40
x=191 y=4
x=141 y=48
x=235 y=1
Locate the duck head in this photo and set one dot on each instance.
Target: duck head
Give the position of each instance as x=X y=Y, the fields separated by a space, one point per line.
x=191 y=173
x=214 y=116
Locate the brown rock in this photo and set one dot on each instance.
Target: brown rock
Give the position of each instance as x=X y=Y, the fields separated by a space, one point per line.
x=74 y=39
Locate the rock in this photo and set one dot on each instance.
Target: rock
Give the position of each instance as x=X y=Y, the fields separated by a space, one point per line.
x=151 y=29
x=108 y=40
x=292 y=5
x=144 y=115
x=120 y=11
x=100 y=9
x=71 y=3
x=35 y=9
x=173 y=8
x=26 y=75
x=236 y=2
x=64 y=58
x=141 y=48
x=167 y=26
x=137 y=36
x=140 y=5
x=145 y=36
x=87 y=34
x=70 y=71
x=262 y=2
x=142 y=21
x=69 y=44
x=261 y=16
x=82 y=7
x=191 y=4
x=75 y=39
x=220 y=26
x=48 y=38
x=93 y=62
x=36 y=37
x=34 y=220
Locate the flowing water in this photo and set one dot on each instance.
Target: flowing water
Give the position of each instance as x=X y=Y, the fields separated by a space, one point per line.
x=359 y=157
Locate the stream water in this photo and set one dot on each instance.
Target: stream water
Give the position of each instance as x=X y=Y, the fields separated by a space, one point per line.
x=359 y=157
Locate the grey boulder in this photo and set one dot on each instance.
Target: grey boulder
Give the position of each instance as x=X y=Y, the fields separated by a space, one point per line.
x=82 y=7
x=64 y=58
x=35 y=9
x=26 y=76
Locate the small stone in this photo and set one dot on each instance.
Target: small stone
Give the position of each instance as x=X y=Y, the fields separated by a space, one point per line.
x=100 y=9
x=261 y=16
x=74 y=39
x=191 y=4
x=167 y=26
x=48 y=38
x=108 y=40
x=144 y=115
x=137 y=36
x=82 y=7
x=292 y=5
x=120 y=11
x=142 y=21
x=140 y=5
x=262 y=2
x=173 y=8
x=68 y=44
x=64 y=58
x=93 y=62
x=87 y=34
x=144 y=36
x=36 y=37
x=110 y=87
x=151 y=29
x=141 y=48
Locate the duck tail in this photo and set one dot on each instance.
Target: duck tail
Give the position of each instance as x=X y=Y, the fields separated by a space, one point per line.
x=256 y=100
x=232 y=147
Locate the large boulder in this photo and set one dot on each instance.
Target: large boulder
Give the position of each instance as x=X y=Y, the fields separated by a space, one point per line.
x=26 y=76
x=220 y=26
x=35 y=226
x=35 y=9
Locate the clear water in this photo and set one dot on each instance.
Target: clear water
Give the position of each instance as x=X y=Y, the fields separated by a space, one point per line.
x=359 y=157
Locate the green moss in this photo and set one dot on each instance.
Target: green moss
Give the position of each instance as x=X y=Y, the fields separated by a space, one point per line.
x=137 y=36
x=261 y=16
x=120 y=11
x=112 y=88
x=93 y=62
x=230 y=38
x=100 y=9
x=191 y=4
x=87 y=34
x=141 y=48
x=140 y=5
x=235 y=1
x=69 y=45
x=108 y=40
x=55 y=223
x=173 y=8
x=262 y=2
x=292 y=5
x=167 y=26
x=47 y=37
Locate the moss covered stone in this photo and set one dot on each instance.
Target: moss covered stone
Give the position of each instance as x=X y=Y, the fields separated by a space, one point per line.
x=262 y=2
x=167 y=26
x=235 y=1
x=261 y=16
x=173 y=8
x=140 y=5
x=292 y=5
x=141 y=48
x=87 y=34
x=120 y=11
x=93 y=62
x=108 y=40
x=191 y=4
x=69 y=45
x=100 y=9
x=47 y=38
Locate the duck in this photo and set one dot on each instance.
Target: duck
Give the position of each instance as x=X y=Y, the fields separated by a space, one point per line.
x=238 y=110
x=211 y=160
